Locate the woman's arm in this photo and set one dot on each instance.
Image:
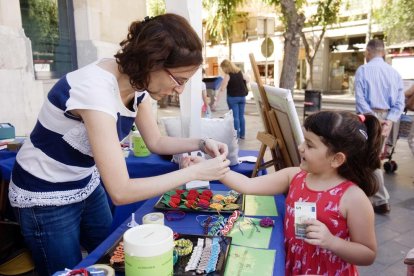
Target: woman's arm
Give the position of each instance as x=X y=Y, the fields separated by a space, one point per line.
x=223 y=87
x=159 y=144
x=270 y=184
x=108 y=156
x=362 y=247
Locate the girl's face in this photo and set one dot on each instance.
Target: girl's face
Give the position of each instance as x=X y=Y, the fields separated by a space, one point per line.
x=169 y=81
x=314 y=154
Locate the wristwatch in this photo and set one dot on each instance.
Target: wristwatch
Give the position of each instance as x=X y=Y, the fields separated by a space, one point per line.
x=202 y=144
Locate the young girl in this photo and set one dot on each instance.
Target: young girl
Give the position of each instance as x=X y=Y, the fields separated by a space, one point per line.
x=338 y=158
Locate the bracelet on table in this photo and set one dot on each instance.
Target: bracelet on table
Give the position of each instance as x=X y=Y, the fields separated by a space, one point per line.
x=183 y=247
x=205 y=256
x=195 y=256
x=215 y=251
x=174 y=215
x=230 y=223
x=266 y=222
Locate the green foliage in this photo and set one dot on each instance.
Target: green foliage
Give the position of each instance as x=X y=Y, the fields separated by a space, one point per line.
x=40 y=22
x=222 y=14
x=156 y=7
x=326 y=14
x=396 y=18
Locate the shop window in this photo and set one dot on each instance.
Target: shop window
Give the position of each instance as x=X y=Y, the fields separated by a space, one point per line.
x=301 y=75
x=270 y=72
x=50 y=27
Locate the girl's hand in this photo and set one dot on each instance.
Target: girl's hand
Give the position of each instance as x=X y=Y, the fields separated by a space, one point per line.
x=211 y=169
x=318 y=234
x=215 y=148
x=188 y=161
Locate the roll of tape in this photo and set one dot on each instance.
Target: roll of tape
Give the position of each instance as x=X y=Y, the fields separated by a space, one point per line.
x=153 y=218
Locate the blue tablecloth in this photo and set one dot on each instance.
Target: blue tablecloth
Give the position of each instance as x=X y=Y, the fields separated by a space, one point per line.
x=189 y=225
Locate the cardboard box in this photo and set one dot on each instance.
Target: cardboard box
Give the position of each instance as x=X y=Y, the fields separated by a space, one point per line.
x=7 y=131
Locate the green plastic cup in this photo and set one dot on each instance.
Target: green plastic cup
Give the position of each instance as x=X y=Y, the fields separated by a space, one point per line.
x=140 y=149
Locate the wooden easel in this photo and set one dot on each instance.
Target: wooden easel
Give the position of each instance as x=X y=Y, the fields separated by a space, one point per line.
x=272 y=137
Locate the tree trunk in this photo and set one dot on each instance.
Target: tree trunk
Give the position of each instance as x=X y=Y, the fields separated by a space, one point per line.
x=229 y=44
x=294 y=25
x=309 y=74
x=310 y=55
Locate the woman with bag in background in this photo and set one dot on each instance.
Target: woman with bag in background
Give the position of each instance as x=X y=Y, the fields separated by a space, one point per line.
x=235 y=83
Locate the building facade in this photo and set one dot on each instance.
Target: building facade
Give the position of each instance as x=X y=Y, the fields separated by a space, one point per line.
x=341 y=51
x=77 y=32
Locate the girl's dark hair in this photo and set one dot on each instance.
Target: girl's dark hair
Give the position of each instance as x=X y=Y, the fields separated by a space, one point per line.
x=359 y=141
x=163 y=41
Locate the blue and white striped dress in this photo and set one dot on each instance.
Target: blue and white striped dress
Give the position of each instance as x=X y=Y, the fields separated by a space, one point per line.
x=55 y=166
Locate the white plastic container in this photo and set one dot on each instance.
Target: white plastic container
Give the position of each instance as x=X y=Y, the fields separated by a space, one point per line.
x=149 y=250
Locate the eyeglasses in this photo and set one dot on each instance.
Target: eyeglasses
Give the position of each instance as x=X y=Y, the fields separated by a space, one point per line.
x=177 y=81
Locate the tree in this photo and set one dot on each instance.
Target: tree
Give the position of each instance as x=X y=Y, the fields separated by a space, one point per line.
x=293 y=20
x=221 y=16
x=326 y=14
x=396 y=19
x=156 y=7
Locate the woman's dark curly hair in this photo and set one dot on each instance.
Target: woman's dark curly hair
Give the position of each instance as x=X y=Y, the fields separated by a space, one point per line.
x=163 y=41
x=360 y=142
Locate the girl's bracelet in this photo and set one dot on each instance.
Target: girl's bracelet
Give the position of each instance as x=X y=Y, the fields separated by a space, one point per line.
x=174 y=215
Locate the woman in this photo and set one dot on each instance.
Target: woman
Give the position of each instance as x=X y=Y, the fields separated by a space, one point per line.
x=235 y=83
x=55 y=187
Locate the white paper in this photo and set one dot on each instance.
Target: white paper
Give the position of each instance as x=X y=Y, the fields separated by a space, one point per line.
x=303 y=212
x=250 y=159
x=197 y=184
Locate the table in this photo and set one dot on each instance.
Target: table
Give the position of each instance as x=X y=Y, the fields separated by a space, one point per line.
x=189 y=225
x=155 y=165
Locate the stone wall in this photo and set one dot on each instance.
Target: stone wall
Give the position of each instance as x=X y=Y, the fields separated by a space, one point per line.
x=21 y=96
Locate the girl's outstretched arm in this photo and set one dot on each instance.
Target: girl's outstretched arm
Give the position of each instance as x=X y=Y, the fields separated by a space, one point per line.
x=362 y=247
x=270 y=184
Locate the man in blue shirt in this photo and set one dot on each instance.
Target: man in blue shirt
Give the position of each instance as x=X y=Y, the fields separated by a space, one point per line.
x=379 y=90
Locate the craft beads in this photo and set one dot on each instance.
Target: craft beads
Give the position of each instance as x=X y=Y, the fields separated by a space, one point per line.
x=215 y=250
x=183 y=247
x=230 y=223
x=205 y=257
x=195 y=256
x=266 y=222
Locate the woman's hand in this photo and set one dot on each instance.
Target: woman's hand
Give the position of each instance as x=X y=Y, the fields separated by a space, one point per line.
x=318 y=234
x=211 y=169
x=215 y=148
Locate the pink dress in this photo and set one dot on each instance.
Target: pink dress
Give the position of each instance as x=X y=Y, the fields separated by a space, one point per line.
x=301 y=257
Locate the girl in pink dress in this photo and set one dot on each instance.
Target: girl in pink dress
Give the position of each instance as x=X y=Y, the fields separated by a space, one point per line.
x=335 y=177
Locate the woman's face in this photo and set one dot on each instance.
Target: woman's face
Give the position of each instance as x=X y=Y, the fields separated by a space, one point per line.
x=168 y=81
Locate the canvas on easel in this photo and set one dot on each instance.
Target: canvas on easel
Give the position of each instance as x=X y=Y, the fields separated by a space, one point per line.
x=276 y=121
x=283 y=108
x=271 y=138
